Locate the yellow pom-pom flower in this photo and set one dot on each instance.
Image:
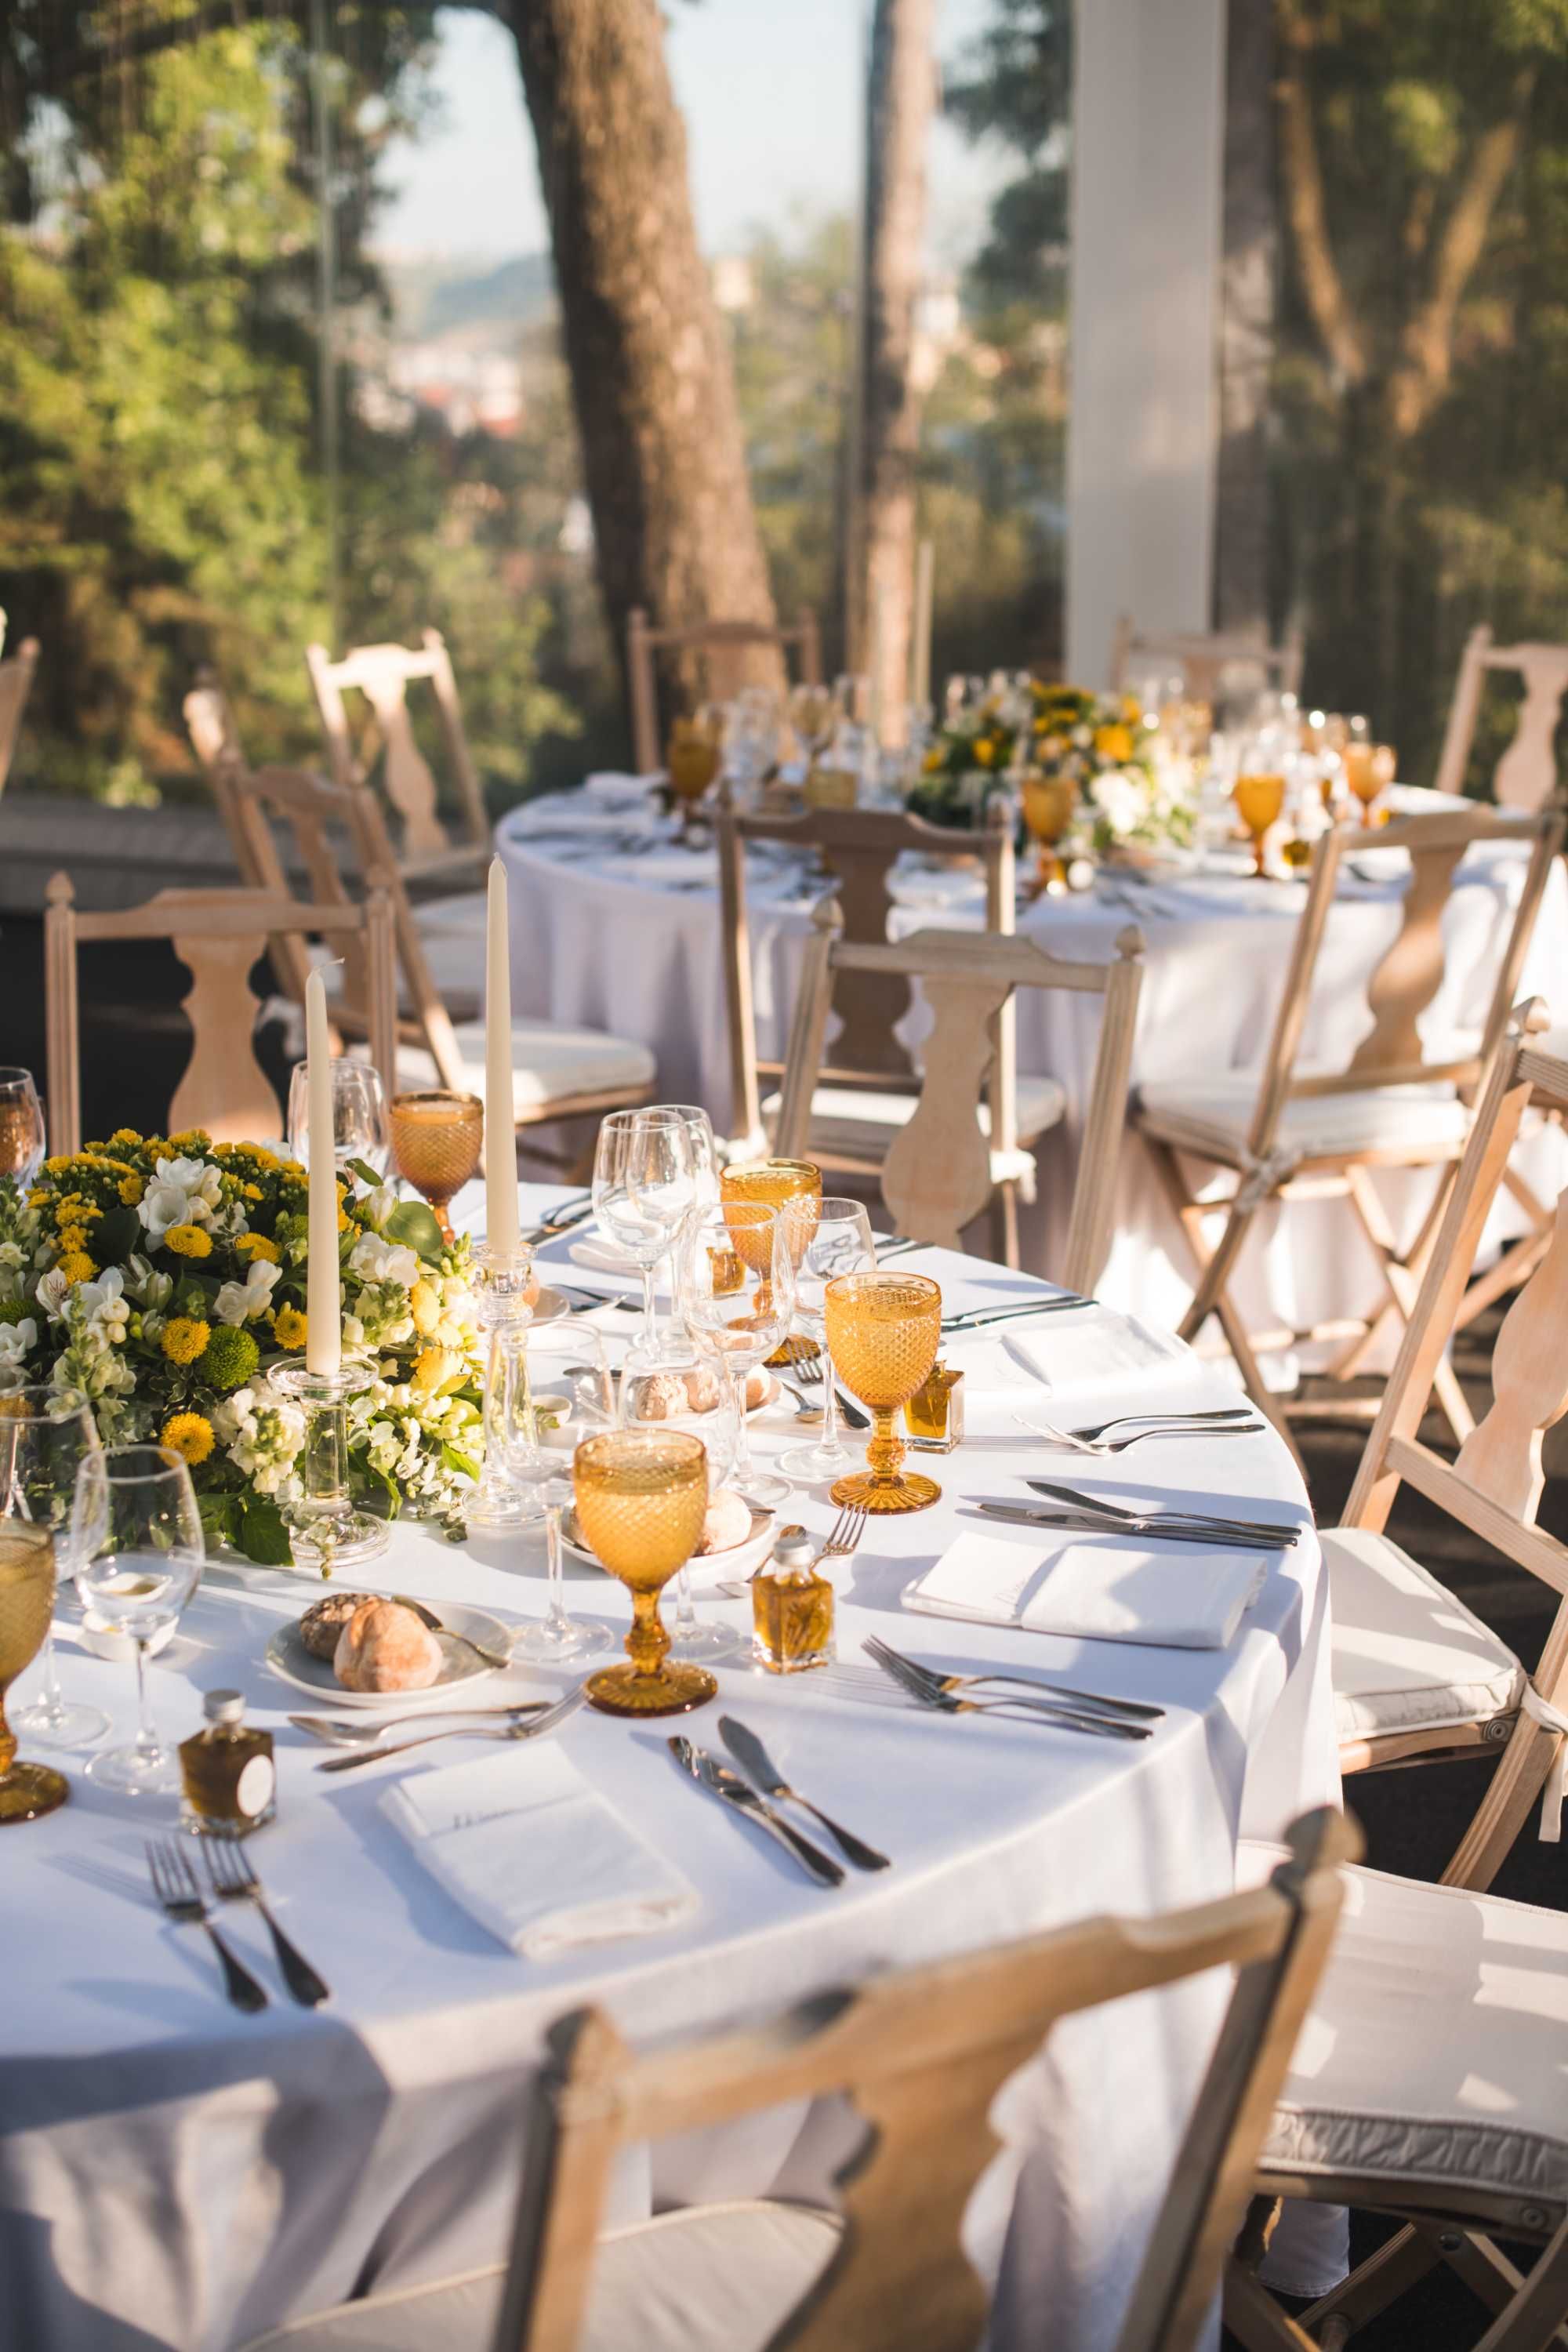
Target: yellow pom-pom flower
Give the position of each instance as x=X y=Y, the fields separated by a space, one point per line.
x=255 y=1245
x=130 y=1190
x=188 y=1241
x=77 y=1267
x=289 y=1327
x=189 y=1435
x=186 y=1338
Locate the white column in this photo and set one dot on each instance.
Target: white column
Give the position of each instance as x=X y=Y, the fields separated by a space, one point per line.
x=1148 y=148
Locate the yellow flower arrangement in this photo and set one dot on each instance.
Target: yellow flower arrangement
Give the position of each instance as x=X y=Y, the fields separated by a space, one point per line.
x=184 y=1338
x=291 y=1327
x=255 y=1245
x=189 y=1435
x=188 y=1241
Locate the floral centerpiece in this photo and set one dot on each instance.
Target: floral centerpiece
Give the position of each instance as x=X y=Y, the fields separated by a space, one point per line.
x=159 y=1278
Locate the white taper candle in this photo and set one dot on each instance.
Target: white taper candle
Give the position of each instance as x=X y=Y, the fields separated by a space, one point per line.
x=324 y=1329
x=500 y=1115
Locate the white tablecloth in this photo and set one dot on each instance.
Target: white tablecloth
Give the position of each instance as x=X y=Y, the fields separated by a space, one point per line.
x=174 y=2174
x=631 y=943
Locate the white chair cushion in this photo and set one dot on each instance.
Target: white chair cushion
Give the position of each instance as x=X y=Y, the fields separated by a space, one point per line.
x=717 y=2278
x=1437 y=2050
x=548 y=1064
x=862 y=1124
x=452 y=934
x=466 y=912
x=1212 y=1116
x=1407 y=1655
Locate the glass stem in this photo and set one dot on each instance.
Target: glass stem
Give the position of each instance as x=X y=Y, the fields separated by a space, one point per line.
x=743 y=1472
x=685 y=1614
x=147 y=1747
x=556 y=1614
x=829 y=1403
x=649 y=1319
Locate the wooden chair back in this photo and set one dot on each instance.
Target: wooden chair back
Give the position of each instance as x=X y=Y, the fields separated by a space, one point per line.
x=719 y=645
x=1203 y=659
x=219 y=936
x=1494 y=1487
x=1410 y=973
x=1526 y=775
x=15 y=685
x=937 y=1176
x=922 y=2054
x=383 y=673
x=858 y=849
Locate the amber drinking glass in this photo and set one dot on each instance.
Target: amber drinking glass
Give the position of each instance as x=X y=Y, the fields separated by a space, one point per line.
x=27 y=1605
x=692 y=757
x=768 y=1184
x=1260 y=799
x=436 y=1141
x=1368 y=768
x=1048 y=804
x=883 y=1331
x=641 y=1497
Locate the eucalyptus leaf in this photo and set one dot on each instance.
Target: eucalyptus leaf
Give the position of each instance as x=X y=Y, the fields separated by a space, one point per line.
x=415 y=1225
x=367 y=1173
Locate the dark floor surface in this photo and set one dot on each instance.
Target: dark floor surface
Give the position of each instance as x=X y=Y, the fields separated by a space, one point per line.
x=135 y=1043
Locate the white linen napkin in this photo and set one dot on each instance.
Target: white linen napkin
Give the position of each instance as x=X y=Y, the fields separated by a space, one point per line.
x=1094 y=1589
x=604 y=1257
x=1080 y=1349
x=617 y=786
x=523 y=1845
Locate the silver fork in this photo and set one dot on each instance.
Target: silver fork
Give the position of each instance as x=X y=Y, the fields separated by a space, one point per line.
x=884 y=1651
x=1102 y=1446
x=338 y=1733
x=842 y=1539
x=1032 y=1710
x=529 y=1730
x=235 y=1881
x=1193 y=1419
x=810 y=1370
x=174 y=1885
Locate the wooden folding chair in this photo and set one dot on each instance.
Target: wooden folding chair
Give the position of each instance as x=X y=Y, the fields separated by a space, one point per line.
x=219 y=936
x=1297 y=1135
x=383 y=673
x=1526 y=775
x=922 y=2054
x=1203 y=659
x=939 y=1166
x=720 y=646
x=15 y=685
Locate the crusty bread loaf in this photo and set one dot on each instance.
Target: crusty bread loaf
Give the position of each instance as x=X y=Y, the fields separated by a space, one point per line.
x=386 y=1647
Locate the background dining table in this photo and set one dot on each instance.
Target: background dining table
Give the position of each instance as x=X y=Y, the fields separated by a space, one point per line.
x=175 y=2177
x=617 y=926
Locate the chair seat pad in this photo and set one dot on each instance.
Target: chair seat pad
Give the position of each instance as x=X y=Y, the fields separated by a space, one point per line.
x=466 y=911
x=1212 y=1116
x=1437 y=2050
x=1407 y=1655
x=548 y=1064
x=717 y=2278
x=861 y=1124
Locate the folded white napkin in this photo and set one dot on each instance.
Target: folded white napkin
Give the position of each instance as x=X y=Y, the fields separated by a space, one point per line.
x=604 y=1257
x=1094 y=1589
x=525 y=1846
x=1079 y=1351
x=617 y=786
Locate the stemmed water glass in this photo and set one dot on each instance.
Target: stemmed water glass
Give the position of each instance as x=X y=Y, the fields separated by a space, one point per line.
x=360 y=1130
x=137 y=1535
x=737 y=1295
x=642 y=1497
x=645 y=1187
x=21 y=1126
x=825 y=1239
x=883 y=1331
x=674 y=1345
x=44 y=1440
x=662 y=1398
x=566 y=1395
x=772 y=1182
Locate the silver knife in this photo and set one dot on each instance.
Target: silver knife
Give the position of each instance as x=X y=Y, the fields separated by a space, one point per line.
x=1155 y=1530
x=1285 y=1531
x=753 y=1758
x=719 y=1781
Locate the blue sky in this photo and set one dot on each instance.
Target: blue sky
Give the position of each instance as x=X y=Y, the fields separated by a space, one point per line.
x=769 y=89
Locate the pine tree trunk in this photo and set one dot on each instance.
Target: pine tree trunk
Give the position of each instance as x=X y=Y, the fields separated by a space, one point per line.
x=1250 y=241
x=652 y=385
x=879 y=586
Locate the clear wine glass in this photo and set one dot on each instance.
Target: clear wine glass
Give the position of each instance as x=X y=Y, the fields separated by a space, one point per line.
x=360 y=1127
x=21 y=1126
x=675 y=1396
x=674 y=1344
x=737 y=1295
x=44 y=1440
x=825 y=1239
x=137 y=1535
x=645 y=1187
x=567 y=1394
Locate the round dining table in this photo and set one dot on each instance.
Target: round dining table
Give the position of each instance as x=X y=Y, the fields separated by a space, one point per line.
x=176 y=2176
x=616 y=925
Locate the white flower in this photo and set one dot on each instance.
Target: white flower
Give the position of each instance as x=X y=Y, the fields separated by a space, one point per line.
x=104 y=1308
x=183 y=1193
x=382 y=1261
x=12 y=1254
x=16 y=1339
x=1121 y=799
x=242 y=1302
x=54 y=1289
x=377 y=1206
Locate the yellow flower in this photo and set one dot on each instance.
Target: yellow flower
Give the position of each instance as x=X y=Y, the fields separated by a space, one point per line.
x=57 y=1166
x=1131 y=709
x=425 y=1307
x=188 y=1241
x=255 y=1245
x=436 y=1369
x=193 y=1139
x=1113 y=744
x=344 y=1219
x=190 y=1434
x=184 y=1338
x=127 y=1135
x=251 y=1191
x=984 y=750
x=78 y=1267
x=130 y=1190
x=932 y=760
x=289 y=1327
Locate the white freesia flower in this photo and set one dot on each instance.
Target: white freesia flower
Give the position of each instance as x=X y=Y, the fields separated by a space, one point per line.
x=16 y=1339
x=377 y=1206
x=242 y=1302
x=104 y=1308
x=54 y=1289
x=376 y=1260
x=183 y=1193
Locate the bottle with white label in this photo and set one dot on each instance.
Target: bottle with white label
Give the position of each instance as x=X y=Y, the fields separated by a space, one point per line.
x=231 y=1779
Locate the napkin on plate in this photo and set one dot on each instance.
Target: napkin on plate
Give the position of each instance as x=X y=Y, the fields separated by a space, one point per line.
x=523 y=1845
x=602 y=1256
x=1080 y=1349
x=1094 y=1589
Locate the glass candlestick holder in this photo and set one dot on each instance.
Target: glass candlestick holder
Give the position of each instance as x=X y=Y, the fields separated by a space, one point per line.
x=503 y=1292
x=326 y=1527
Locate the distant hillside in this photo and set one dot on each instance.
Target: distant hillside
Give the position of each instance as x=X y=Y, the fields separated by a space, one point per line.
x=442 y=299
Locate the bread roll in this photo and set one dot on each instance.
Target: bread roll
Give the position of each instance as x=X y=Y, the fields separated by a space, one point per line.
x=758 y=1385
x=386 y=1647
x=701 y=1390
x=728 y=1523
x=323 y=1622
x=659 y=1396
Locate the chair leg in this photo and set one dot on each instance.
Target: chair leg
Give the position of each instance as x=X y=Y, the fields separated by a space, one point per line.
x=1256 y=2320
x=1533 y=2319
x=1398 y=2265
x=1503 y=1811
x=1004 y=1246
x=1403 y=1282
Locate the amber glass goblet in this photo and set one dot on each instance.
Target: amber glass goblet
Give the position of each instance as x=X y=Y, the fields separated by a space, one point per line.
x=768 y=1184
x=883 y=1331
x=436 y=1141
x=1259 y=800
x=1048 y=804
x=692 y=757
x=27 y=1605
x=641 y=1497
